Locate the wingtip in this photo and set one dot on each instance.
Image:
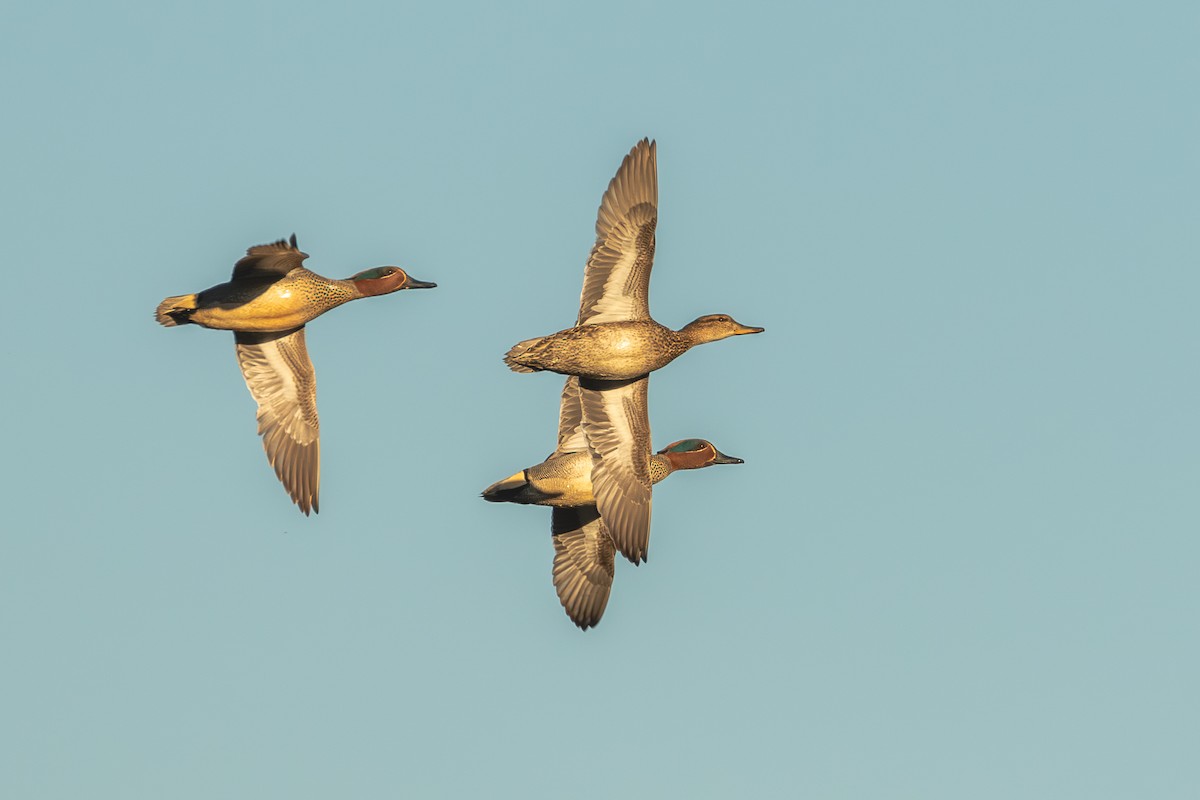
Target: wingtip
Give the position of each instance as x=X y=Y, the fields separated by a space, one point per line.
x=635 y=556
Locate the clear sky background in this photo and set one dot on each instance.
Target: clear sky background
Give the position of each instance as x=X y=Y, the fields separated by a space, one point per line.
x=960 y=560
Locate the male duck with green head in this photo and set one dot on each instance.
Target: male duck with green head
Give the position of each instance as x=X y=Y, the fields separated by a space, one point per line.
x=583 y=543
x=267 y=304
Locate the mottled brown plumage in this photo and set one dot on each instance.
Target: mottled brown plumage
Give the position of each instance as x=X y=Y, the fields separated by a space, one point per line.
x=618 y=350
x=614 y=337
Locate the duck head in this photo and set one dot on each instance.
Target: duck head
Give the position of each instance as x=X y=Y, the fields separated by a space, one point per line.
x=695 y=453
x=385 y=280
x=712 y=327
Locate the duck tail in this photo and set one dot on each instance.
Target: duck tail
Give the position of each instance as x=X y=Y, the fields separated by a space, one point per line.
x=513 y=357
x=512 y=489
x=176 y=310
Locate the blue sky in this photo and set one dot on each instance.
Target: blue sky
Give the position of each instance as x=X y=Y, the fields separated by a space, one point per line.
x=959 y=560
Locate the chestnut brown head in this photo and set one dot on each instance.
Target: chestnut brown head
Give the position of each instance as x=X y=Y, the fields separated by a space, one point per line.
x=695 y=453
x=385 y=280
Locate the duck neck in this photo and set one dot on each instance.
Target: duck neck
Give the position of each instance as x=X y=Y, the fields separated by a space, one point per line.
x=693 y=334
x=685 y=339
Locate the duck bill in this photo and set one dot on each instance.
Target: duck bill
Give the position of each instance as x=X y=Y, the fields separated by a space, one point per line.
x=741 y=329
x=724 y=459
x=413 y=283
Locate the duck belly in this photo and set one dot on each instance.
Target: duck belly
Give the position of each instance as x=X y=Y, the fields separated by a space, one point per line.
x=608 y=351
x=234 y=307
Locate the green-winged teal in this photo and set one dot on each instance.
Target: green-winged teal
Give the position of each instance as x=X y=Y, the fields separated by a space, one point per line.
x=614 y=337
x=266 y=304
x=583 y=543
x=615 y=345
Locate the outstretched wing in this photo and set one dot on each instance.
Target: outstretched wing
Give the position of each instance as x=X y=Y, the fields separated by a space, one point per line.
x=617 y=424
x=616 y=281
x=269 y=260
x=570 y=420
x=583 y=563
x=280 y=376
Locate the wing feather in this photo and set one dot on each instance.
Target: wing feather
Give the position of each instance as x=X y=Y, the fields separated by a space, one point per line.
x=617 y=425
x=570 y=420
x=280 y=377
x=269 y=260
x=583 y=563
x=616 y=281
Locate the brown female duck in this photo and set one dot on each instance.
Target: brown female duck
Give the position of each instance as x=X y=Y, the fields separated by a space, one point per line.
x=269 y=299
x=614 y=337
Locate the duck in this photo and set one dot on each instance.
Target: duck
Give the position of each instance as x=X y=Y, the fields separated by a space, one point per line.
x=267 y=303
x=615 y=345
x=614 y=337
x=584 y=549
x=564 y=480
x=621 y=349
